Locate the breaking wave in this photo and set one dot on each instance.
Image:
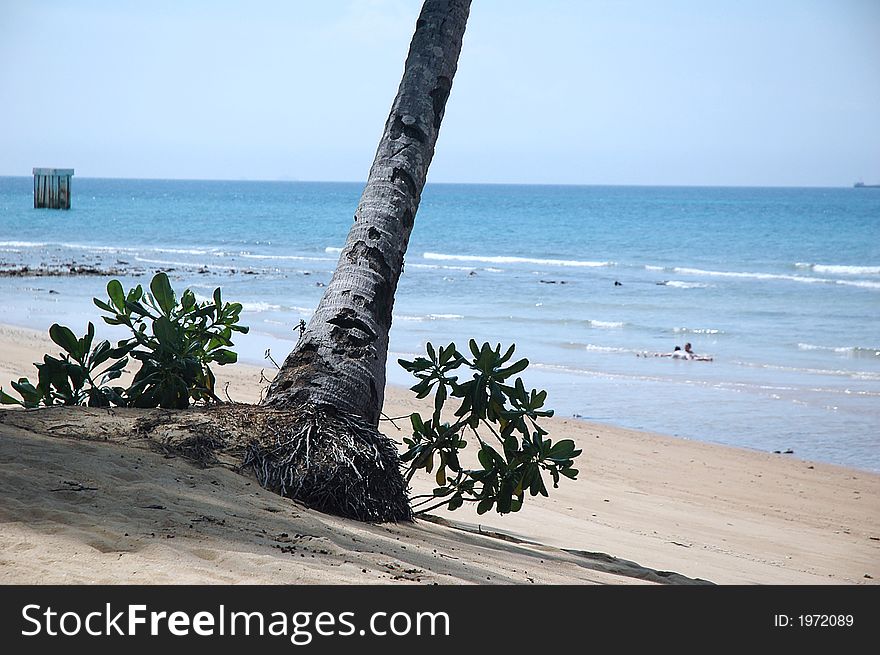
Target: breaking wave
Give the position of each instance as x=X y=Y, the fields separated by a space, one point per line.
x=515 y=260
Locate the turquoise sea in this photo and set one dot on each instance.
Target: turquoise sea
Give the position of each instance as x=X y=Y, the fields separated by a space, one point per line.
x=781 y=286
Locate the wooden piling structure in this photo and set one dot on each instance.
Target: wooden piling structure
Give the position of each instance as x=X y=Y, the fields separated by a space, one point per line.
x=52 y=188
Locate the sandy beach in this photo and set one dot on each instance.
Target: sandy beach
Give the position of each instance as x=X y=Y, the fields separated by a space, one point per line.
x=80 y=508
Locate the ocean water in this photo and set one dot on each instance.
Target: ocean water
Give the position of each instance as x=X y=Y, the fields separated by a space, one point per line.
x=780 y=286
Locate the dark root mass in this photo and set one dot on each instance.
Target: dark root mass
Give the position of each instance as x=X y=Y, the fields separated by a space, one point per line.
x=332 y=462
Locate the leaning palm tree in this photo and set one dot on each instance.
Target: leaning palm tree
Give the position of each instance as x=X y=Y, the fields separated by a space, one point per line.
x=329 y=453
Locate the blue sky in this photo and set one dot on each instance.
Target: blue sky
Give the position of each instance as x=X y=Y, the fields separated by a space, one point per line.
x=769 y=92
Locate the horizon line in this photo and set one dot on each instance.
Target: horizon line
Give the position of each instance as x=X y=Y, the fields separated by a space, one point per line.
x=565 y=184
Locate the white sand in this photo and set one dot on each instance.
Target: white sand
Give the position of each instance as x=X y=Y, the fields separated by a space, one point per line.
x=81 y=510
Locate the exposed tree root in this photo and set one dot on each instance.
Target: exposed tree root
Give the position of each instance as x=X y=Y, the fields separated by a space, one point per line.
x=332 y=462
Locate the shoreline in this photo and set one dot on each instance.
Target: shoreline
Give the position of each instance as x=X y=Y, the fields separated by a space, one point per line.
x=249 y=360
x=769 y=388
x=720 y=513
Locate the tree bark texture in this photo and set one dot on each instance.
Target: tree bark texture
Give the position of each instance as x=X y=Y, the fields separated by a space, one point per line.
x=340 y=359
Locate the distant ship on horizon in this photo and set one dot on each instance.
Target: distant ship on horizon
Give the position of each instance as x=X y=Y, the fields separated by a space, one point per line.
x=862 y=185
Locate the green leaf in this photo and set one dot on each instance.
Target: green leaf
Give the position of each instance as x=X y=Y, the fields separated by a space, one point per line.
x=562 y=449
x=85 y=344
x=117 y=295
x=439 y=399
x=188 y=300
x=505 y=498
x=511 y=445
x=6 y=399
x=100 y=354
x=422 y=389
x=455 y=502
x=97 y=398
x=513 y=369
x=30 y=394
x=165 y=332
x=103 y=305
x=485 y=505
x=223 y=357
x=122 y=348
x=136 y=307
x=65 y=338
x=163 y=293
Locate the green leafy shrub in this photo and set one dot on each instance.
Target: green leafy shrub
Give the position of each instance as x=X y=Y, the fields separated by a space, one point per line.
x=73 y=378
x=495 y=411
x=174 y=340
x=186 y=337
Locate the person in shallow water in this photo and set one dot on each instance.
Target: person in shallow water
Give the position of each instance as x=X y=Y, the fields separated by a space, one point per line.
x=678 y=353
x=690 y=354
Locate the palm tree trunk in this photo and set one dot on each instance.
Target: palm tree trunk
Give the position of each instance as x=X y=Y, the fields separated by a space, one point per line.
x=340 y=359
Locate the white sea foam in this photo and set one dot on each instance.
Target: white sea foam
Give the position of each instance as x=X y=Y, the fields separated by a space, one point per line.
x=696 y=330
x=112 y=249
x=754 y=276
x=166 y=262
x=22 y=244
x=438 y=267
x=332 y=250
x=606 y=324
x=254 y=307
x=864 y=284
x=286 y=257
x=679 y=284
x=840 y=269
x=648 y=267
x=598 y=374
x=591 y=347
x=429 y=317
x=257 y=307
x=45 y=244
x=182 y=251
x=859 y=351
x=515 y=260
x=856 y=375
